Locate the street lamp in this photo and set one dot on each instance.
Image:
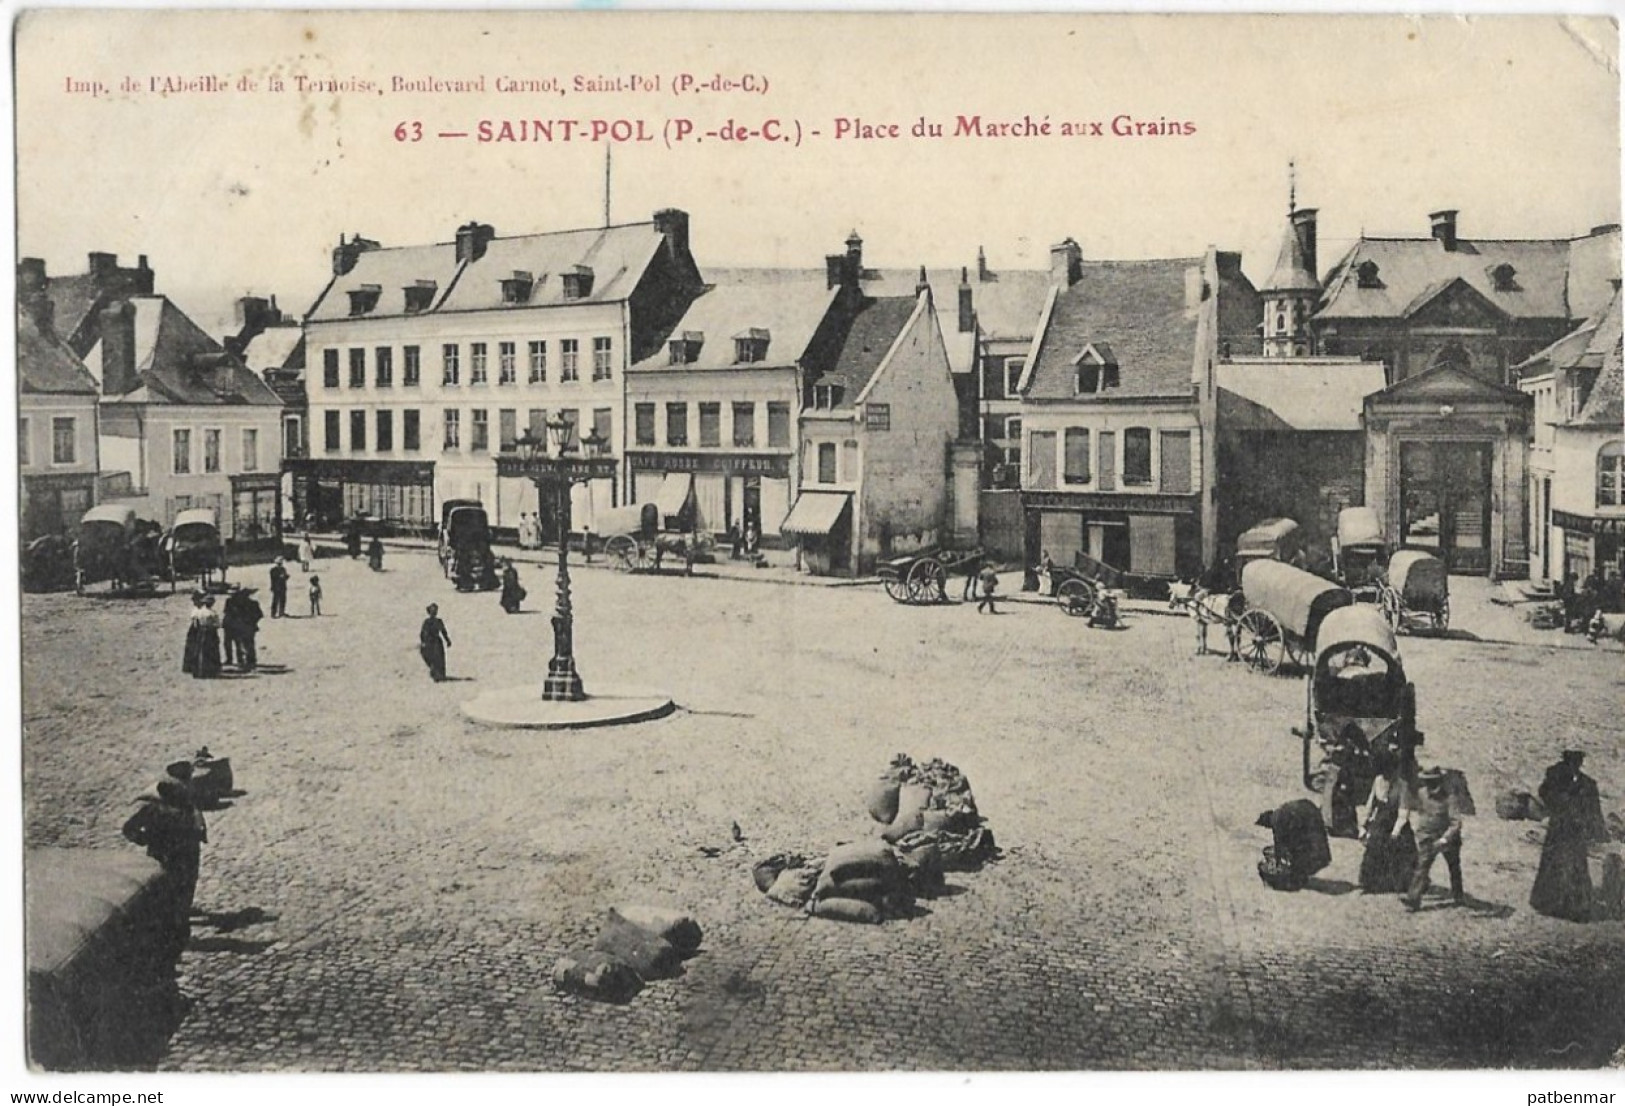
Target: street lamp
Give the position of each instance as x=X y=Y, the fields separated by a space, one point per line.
x=563 y=683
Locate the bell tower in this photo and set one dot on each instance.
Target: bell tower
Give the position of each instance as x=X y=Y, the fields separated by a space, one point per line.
x=1293 y=288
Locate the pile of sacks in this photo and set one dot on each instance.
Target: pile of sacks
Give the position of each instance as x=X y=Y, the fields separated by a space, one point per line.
x=638 y=944
x=930 y=826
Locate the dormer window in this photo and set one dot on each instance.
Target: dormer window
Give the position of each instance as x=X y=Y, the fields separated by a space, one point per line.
x=1097 y=369
x=826 y=397
x=578 y=283
x=364 y=298
x=685 y=348
x=750 y=346
x=1505 y=277
x=1367 y=276
x=516 y=289
x=419 y=296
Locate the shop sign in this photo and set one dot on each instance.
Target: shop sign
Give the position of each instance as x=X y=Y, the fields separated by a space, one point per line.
x=1564 y=520
x=742 y=464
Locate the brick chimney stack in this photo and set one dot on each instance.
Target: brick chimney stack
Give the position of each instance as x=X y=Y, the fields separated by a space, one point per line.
x=472 y=238
x=31 y=292
x=118 y=349
x=1065 y=263
x=672 y=225
x=1444 y=228
x=982 y=272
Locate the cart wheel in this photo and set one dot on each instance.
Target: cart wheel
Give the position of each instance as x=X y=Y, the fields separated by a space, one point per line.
x=645 y=558
x=623 y=551
x=1441 y=620
x=897 y=588
x=928 y=582
x=1077 y=598
x=1263 y=646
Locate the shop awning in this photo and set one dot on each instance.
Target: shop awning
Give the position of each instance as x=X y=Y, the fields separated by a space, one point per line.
x=674 y=492
x=816 y=512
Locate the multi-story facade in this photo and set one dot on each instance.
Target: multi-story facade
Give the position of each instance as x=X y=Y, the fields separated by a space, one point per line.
x=1577 y=452
x=425 y=363
x=57 y=421
x=1115 y=457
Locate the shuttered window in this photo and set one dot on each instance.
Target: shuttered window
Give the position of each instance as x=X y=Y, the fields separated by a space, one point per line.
x=1077 y=455
x=1176 y=462
x=1041 y=460
x=1108 y=461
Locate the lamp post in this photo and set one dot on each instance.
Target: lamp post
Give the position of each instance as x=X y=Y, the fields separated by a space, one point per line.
x=563 y=683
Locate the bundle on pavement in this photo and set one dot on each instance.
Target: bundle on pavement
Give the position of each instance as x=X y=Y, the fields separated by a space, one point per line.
x=794 y=886
x=596 y=975
x=862 y=882
x=933 y=799
x=648 y=954
x=677 y=928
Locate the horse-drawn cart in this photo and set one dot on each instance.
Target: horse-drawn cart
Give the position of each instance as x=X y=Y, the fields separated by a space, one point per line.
x=634 y=541
x=1417 y=590
x=194 y=547
x=117 y=545
x=1091 y=588
x=1283 y=610
x=922 y=577
x=1360 y=552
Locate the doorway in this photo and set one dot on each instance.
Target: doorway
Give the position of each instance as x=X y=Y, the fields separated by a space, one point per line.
x=1444 y=490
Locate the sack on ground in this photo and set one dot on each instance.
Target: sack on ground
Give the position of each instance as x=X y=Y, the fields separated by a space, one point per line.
x=596 y=975
x=1512 y=806
x=882 y=802
x=676 y=928
x=847 y=910
x=868 y=888
x=650 y=956
x=1277 y=873
x=860 y=858
x=794 y=886
x=767 y=871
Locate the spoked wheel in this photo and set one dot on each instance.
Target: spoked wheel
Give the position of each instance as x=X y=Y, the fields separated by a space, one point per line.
x=928 y=582
x=1263 y=645
x=622 y=551
x=1077 y=598
x=644 y=557
x=897 y=588
x=1441 y=618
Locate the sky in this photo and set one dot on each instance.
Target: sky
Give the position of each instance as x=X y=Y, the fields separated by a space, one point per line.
x=1512 y=121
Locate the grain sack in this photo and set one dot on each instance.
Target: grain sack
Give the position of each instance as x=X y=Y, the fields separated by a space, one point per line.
x=678 y=929
x=766 y=871
x=860 y=858
x=596 y=975
x=867 y=888
x=650 y=956
x=794 y=886
x=847 y=910
x=882 y=802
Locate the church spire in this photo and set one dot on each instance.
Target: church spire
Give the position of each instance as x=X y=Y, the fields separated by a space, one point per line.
x=1293 y=289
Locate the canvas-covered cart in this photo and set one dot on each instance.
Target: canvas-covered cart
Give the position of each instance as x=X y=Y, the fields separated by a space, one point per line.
x=1274 y=539
x=194 y=547
x=1284 y=607
x=922 y=577
x=1360 y=552
x=634 y=541
x=117 y=545
x=1359 y=700
x=1417 y=591
x=465 y=545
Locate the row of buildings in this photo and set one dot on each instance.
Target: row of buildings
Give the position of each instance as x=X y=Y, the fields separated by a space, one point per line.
x=1143 y=411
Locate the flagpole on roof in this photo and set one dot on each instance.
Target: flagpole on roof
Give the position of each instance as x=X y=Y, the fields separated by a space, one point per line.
x=606 y=183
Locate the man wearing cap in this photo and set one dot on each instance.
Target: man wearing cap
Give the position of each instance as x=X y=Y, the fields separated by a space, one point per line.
x=172 y=830
x=1433 y=812
x=1574 y=821
x=279 y=589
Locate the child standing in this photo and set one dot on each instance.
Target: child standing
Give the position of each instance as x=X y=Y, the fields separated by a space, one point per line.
x=990 y=584
x=315 y=596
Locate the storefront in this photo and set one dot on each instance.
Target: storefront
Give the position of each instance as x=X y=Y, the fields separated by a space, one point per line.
x=719 y=489
x=256 y=508
x=399 y=494
x=1148 y=535
x=592 y=492
x=821 y=522
x=1591 y=544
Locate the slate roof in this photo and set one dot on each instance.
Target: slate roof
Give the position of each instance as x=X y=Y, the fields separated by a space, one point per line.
x=178 y=363
x=272 y=347
x=1296 y=394
x=1139 y=308
x=1605 y=409
x=789 y=311
x=45 y=364
x=875 y=327
x=618 y=257
x=73 y=300
x=1552 y=278
x=1291 y=273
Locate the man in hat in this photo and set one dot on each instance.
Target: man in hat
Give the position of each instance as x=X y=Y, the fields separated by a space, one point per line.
x=1433 y=812
x=1574 y=821
x=279 y=589
x=172 y=830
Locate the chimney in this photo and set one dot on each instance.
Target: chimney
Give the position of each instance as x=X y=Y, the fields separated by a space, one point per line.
x=31 y=286
x=1303 y=225
x=103 y=266
x=922 y=284
x=967 y=312
x=854 y=258
x=834 y=268
x=253 y=312
x=143 y=276
x=672 y=225
x=982 y=275
x=117 y=325
x=472 y=238
x=1065 y=263
x=1227 y=262
x=1444 y=228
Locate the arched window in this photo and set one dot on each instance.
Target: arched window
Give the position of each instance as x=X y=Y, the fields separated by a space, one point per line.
x=1454 y=355
x=1611 y=475
x=1280 y=324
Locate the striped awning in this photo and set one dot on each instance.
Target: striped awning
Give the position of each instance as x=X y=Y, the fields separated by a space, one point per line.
x=816 y=512
x=674 y=492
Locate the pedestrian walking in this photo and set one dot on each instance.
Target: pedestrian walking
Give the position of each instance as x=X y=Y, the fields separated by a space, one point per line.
x=375 y=554
x=1389 y=860
x=279 y=589
x=172 y=830
x=1433 y=810
x=512 y=593
x=990 y=584
x=433 y=641
x=1573 y=822
x=315 y=597
x=206 y=662
x=194 y=636
x=307 y=553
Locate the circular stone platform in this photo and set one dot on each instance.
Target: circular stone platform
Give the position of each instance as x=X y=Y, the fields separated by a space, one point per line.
x=605 y=705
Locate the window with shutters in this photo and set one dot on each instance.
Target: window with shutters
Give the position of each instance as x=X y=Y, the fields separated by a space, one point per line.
x=778 y=426
x=710 y=425
x=411 y=366
x=385 y=432
x=644 y=416
x=358 y=368
x=64 y=441
x=479 y=438
x=383 y=373
x=454 y=430
x=744 y=425
x=450 y=369
x=476 y=363
x=676 y=424
x=507 y=355
x=211 y=450
x=1041 y=460
x=507 y=429
x=1136 y=457
x=1076 y=470
x=330 y=432
x=826 y=462
x=1176 y=462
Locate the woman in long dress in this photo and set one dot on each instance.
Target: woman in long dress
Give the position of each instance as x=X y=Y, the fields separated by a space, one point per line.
x=512 y=593
x=1388 y=861
x=1574 y=820
x=208 y=651
x=194 y=636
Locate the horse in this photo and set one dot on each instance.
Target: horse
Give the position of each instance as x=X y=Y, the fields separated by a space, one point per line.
x=1207 y=608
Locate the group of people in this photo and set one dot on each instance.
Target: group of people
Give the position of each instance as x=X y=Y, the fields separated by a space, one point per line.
x=214 y=640
x=530 y=530
x=1413 y=818
x=744 y=542
x=1584 y=603
x=279 y=589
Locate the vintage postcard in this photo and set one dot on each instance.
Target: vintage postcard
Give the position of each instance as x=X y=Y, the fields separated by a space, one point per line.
x=649 y=542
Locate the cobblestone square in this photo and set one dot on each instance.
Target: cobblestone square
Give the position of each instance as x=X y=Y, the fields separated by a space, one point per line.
x=404 y=879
